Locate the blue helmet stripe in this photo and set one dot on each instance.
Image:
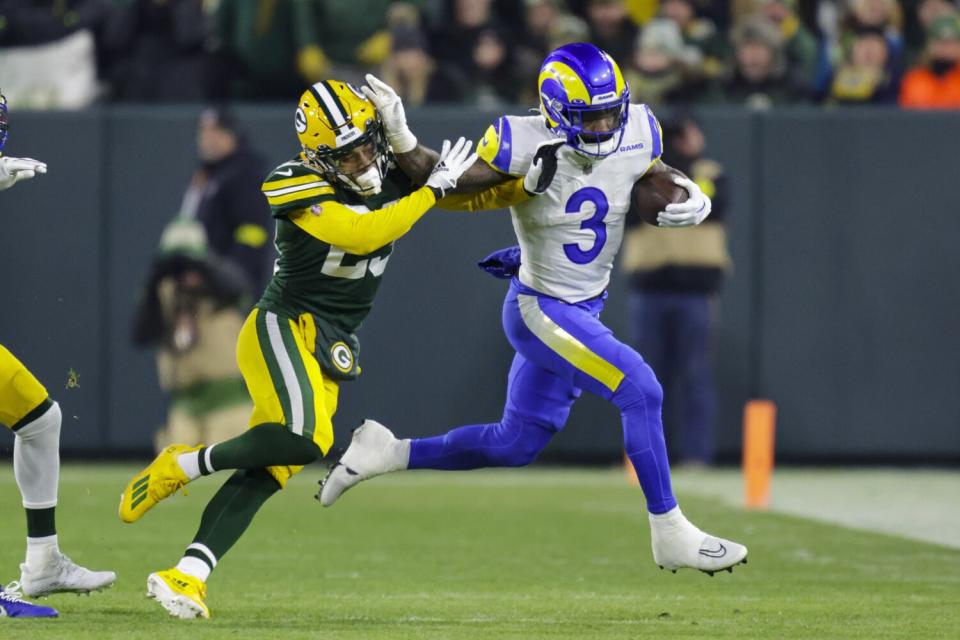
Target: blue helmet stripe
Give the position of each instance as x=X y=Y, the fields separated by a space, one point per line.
x=505 y=151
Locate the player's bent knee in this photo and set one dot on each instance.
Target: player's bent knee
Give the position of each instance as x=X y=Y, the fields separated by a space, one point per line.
x=520 y=440
x=293 y=449
x=639 y=387
x=307 y=451
x=289 y=447
x=264 y=479
x=45 y=427
x=282 y=473
x=524 y=457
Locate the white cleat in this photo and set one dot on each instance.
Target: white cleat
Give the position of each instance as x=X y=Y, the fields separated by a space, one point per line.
x=63 y=575
x=678 y=544
x=373 y=451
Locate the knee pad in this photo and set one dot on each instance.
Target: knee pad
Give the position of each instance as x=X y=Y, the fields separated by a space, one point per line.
x=46 y=428
x=36 y=459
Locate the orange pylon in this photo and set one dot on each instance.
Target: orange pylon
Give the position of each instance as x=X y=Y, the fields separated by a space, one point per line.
x=759 y=427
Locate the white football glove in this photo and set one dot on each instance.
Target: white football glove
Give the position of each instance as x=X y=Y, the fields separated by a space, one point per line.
x=451 y=165
x=13 y=170
x=693 y=210
x=543 y=167
x=390 y=106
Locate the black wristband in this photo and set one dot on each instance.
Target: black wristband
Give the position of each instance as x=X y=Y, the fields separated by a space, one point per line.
x=437 y=191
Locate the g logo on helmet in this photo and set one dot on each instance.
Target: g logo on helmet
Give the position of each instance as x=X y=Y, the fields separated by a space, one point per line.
x=300 y=120
x=342 y=357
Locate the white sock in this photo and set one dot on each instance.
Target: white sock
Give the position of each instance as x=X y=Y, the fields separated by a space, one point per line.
x=194 y=567
x=672 y=523
x=36 y=459
x=672 y=519
x=190 y=463
x=403 y=454
x=39 y=551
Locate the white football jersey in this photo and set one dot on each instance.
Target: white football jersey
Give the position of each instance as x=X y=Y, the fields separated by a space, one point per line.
x=570 y=235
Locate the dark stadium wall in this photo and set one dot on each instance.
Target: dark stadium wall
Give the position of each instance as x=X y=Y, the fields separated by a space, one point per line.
x=843 y=306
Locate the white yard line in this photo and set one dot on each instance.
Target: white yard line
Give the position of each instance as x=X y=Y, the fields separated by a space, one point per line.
x=919 y=504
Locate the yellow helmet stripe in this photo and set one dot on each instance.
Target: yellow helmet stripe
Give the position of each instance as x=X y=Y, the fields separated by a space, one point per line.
x=566 y=76
x=618 y=76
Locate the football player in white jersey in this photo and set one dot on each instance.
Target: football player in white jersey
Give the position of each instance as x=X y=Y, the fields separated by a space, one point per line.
x=568 y=238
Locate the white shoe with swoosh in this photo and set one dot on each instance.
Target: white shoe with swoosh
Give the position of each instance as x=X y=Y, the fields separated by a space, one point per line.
x=373 y=451
x=678 y=544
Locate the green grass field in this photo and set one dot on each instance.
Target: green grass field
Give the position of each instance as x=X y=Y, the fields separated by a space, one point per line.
x=512 y=554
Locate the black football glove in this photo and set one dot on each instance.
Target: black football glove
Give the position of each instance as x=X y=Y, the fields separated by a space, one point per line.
x=543 y=168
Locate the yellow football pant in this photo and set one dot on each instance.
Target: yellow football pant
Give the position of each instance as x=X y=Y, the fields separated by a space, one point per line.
x=21 y=394
x=285 y=381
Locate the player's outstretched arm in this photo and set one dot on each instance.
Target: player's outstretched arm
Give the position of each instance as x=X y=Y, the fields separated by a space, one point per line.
x=691 y=211
x=419 y=162
x=416 y=160
x=363 y=233
x=538 y=179
x=13 y=170
x=479 y=177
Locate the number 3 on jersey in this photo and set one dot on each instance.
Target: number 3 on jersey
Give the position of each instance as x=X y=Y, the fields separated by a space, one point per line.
x=594 y=223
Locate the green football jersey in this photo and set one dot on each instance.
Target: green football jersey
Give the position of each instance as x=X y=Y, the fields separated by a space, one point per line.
x=312 y=276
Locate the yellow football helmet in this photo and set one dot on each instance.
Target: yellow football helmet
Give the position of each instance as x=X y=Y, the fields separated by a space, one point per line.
x=342 y=136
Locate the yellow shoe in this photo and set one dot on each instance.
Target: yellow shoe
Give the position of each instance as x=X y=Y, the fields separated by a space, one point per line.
x=180 y=594
x=158 y=481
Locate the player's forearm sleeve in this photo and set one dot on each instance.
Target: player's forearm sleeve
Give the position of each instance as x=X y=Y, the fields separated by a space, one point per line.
x=496 y=197
x=363 y=233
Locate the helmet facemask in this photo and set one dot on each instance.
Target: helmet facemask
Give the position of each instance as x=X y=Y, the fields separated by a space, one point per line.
x=359 y=165
x=594 y=131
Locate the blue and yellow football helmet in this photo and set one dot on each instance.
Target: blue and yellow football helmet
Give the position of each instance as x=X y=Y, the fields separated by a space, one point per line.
x=580 y=84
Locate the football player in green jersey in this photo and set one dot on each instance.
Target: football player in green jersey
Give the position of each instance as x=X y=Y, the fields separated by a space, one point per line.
x=339 y=205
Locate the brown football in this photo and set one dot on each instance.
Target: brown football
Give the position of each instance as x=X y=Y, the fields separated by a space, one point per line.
x=652 y=193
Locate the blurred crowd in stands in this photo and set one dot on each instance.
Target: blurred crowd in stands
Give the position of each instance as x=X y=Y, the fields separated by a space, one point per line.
x=761 y=53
